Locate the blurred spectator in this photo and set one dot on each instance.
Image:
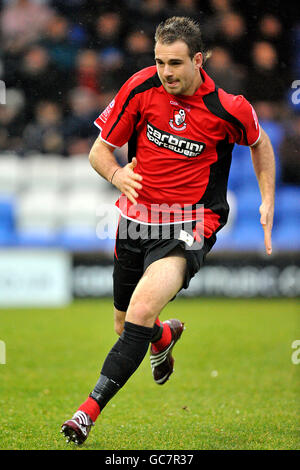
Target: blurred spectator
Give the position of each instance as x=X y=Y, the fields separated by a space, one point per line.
x=139 y=52
x=267 y=110
x=232 y=35
x=220 y=6
x=264 y=82
x=66 y=52
x=148 y=14
x=39 y=78
x=87 y=73
x=187 y=8
x=73 y=9
x=12 y=51
x=290 y=153
x=62 y=51
x=24 y=20
x=79 y=130
x=108 y=29
x=295 y=59
x=113 y=71
x=12 y=121
x=212 y=19
x=224 y=71
x=271 y=29
x=105 y=98
x=44 y=134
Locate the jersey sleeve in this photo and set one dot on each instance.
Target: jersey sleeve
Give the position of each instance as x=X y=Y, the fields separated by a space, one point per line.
x=117 y=121
x=244 y=129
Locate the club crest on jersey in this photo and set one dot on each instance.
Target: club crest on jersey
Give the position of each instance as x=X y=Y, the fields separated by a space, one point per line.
x=178 y=122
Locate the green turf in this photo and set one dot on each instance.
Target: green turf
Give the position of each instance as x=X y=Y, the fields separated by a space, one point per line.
x=234 y=385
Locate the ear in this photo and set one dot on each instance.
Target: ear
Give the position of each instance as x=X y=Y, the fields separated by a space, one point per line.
x=198 y=60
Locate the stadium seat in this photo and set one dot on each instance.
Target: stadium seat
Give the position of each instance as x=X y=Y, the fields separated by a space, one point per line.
x=224 y=241
x=234 y=180
x=286 y=235
x=77 y=239
x=39 y=210
x=10 y=174
x=79 y=174
x=79 y=207
x=288 y=200
x=275 y=131
x=42 y=172
x=8 y=238
x=286 y=232
x=89 y=219
x=242 y=168
x=248 y=236
x=36 y=238
x=7 y=221
x=7 y=213
x=248 y=202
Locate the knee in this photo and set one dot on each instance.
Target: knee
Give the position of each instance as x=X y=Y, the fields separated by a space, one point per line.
x=119 y=327
x=141 y=312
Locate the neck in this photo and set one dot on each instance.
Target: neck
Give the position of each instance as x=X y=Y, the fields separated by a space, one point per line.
x=197 y=83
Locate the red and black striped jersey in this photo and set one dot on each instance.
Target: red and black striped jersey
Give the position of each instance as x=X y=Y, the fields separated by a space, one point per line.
x=183 y=145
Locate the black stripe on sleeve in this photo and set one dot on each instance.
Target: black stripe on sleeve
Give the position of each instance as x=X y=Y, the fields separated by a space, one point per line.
x=152 y=82
x=132 y=142
x=214 y=105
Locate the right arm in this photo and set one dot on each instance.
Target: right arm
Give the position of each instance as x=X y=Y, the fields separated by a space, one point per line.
x=103 y=161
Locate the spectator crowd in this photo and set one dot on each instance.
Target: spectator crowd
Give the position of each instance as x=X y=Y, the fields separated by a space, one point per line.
x=63 y=61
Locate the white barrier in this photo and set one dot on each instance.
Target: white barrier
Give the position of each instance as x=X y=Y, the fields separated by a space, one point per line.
x=35 y=278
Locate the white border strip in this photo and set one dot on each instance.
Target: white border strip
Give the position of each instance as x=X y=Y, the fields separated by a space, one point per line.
x=108 y=143
x=96 y=124
x=257 y=138
x=152 y=223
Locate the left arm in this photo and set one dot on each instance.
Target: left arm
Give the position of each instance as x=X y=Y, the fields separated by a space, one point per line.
x=264 y=165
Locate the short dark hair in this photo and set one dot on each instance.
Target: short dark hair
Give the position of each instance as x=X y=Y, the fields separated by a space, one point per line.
x=181 y=28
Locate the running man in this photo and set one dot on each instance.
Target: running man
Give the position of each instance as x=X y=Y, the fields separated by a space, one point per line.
x=181 y=129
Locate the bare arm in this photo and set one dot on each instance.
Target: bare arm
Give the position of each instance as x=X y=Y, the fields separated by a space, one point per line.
x=124 y=178
x=264 y=166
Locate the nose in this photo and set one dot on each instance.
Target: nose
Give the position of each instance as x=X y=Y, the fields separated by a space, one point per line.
x=167 y=71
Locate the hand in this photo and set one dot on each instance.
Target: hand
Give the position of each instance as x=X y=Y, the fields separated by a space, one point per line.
x=127 y=181
x=266 y=220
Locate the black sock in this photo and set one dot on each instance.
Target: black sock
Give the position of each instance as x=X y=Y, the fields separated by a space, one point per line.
x=122 y=361
x=156 y=333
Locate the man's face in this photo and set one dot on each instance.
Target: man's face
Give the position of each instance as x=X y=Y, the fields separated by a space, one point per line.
x=178 y=73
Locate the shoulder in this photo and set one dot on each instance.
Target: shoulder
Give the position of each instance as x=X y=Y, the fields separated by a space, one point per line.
x=146 y=78
x=237 y=105
x=237 y=110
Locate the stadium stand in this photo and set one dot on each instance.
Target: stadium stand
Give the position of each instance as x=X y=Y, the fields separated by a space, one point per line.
x=49 y=194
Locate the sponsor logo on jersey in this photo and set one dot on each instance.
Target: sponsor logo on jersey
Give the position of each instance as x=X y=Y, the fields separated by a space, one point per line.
x=103 y=116
x=178 y=122
x=189 y=148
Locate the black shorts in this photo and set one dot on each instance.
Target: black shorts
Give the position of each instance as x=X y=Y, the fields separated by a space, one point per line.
x=139 y=245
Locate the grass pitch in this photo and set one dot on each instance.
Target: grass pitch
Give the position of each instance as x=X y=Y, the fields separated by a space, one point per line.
x=234 y=385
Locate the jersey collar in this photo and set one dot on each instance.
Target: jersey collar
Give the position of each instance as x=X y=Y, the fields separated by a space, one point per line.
x=207 y=86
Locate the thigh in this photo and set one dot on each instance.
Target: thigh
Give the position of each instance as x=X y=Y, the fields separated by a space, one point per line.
x=128 y=269
x=159 y=284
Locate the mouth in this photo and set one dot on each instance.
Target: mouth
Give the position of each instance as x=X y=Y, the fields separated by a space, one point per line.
x=172 y=83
